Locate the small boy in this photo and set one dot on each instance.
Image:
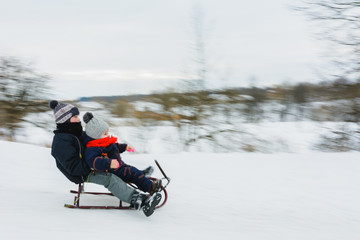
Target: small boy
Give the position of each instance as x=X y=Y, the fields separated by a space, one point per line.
x=102 y=153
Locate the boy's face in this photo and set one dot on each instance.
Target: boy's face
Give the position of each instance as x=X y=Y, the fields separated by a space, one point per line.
x=105 y=134
x=75 y=119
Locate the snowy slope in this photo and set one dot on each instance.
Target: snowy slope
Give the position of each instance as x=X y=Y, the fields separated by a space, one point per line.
x=211 y=196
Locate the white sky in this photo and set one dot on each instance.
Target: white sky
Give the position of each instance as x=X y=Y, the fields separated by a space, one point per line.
x=116 y=47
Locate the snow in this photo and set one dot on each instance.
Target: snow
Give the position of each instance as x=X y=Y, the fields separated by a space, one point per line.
x=310 y=195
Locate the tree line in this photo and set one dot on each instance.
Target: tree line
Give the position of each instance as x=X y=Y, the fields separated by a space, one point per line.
x=22 y=91
x=212 y=115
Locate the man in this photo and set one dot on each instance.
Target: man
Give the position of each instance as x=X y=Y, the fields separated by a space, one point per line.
x=68 y=153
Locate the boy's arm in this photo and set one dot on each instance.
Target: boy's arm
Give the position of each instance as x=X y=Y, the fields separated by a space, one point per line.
x=122 y=147
x=95 y=160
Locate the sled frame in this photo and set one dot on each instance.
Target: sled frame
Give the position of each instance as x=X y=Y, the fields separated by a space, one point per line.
x=121 y=205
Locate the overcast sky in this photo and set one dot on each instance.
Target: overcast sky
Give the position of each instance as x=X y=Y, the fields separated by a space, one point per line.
x=116 y=47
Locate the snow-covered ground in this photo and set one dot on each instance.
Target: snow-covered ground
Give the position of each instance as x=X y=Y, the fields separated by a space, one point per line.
x=211 y=196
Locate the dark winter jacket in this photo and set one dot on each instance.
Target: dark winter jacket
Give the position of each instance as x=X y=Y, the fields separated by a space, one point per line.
x=99 y=158
x=68 y=151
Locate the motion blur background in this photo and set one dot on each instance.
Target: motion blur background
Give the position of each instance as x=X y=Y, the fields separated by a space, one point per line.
x=219 y=76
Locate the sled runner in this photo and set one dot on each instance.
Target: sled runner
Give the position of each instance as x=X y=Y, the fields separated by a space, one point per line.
x=121 y=205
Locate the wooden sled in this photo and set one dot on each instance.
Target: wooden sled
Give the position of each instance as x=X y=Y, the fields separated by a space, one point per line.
x=121 y=205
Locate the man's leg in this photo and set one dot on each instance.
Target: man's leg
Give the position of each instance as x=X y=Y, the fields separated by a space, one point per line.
x=114 y=184
x=126 y=193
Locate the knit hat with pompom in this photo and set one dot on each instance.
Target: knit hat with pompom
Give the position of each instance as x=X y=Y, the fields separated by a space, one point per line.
x=63 y=111
x=95 y=127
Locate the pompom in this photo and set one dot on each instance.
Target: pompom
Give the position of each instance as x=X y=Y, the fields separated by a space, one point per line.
x=53 y=104
x=87 y=117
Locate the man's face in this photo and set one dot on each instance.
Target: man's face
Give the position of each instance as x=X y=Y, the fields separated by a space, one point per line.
x=75 y=119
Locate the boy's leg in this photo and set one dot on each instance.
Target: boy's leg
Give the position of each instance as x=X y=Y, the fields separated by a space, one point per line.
x=148 y=171
x=114 y=184
x=131 y=174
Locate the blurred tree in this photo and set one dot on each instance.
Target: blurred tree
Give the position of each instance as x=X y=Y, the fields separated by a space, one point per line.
x=21 y=92
x=300 y=98
x=254 y=109
x=123 y=108
x=341 y=138
x=300 y=93
x=197 y=67
x=339 y=24
x=192 y=102
x=284 y=97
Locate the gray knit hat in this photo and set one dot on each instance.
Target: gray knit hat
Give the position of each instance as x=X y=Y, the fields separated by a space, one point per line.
x=63 y=111
x=95 y=127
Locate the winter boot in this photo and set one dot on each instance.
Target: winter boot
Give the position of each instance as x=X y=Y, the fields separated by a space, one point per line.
x=136 y=201
x=155 y=187
x=148 y=171
x=150 y=204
